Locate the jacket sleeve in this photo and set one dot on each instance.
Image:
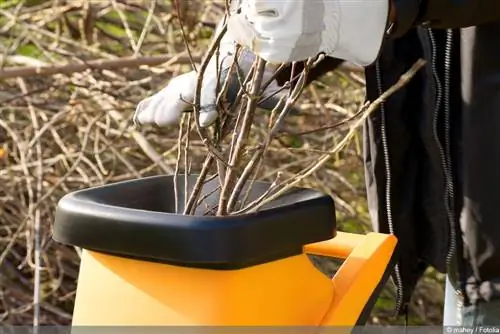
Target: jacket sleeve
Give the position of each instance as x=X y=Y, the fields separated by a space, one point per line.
x=443 y=14
x=325 y=66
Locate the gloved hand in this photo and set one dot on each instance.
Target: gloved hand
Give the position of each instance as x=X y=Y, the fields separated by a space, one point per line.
x=166 y=106
x=282 y=31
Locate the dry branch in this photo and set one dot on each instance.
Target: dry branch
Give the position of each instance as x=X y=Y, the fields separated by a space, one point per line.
x=100 y=64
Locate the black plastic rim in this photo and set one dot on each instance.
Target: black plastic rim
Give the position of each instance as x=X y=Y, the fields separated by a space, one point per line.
x=134 y=219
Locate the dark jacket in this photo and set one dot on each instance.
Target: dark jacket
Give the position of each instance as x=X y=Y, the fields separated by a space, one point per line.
x=432 y=151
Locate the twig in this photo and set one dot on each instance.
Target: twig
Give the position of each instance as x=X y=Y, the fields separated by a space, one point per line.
x=260 y=154
x=177 y=163
x=195 y=194
x=124 y=21
x=186 y=160
x=35 y=213
x=242 y=137
x=184 y=37
x=99 y=64
x=146 y=27
x=49 y=193
x=288 y=184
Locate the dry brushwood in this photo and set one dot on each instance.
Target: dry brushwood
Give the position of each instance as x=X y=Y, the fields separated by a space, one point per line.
x=68 y=127
x=242 y=166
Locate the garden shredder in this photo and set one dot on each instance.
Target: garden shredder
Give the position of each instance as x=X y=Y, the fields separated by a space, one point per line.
x=143 y=265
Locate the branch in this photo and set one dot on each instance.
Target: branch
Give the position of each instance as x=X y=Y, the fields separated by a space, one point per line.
x=98 y=64
x=367 y=110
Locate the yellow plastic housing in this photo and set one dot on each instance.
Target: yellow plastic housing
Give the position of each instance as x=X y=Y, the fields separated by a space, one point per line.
x=115 y=291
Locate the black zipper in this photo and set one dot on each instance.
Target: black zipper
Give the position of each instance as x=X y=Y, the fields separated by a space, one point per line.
x=388 y=186
x=442 y=92
x=451 y=190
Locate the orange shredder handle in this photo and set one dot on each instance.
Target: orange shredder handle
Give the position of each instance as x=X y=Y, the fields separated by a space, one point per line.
x=368 y=260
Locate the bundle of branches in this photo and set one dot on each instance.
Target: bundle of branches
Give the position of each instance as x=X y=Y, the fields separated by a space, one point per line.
x=238 y=161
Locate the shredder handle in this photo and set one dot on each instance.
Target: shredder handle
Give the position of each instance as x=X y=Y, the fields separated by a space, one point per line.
x=368 y=262
x=338 y=247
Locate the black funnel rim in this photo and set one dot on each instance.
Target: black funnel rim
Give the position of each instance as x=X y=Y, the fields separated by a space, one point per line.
x=98 y=219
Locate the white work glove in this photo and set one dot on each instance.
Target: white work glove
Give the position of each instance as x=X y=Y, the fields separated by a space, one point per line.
x=166 y=106
x=281 y=31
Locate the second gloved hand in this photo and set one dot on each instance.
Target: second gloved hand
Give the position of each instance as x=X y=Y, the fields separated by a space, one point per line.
x=166 y=106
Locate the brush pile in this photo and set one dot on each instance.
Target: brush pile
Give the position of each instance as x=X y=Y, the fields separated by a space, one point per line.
x=71 y=77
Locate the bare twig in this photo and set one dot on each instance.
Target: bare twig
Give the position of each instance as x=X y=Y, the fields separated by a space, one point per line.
x=242 y=137
x=367 y=110
x=99 y=64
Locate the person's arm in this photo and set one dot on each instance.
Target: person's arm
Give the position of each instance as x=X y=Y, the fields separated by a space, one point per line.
x=443 y=14
x=328 y=64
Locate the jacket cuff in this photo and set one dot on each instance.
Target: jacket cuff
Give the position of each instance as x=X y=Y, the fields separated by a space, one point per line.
x=407 y=14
